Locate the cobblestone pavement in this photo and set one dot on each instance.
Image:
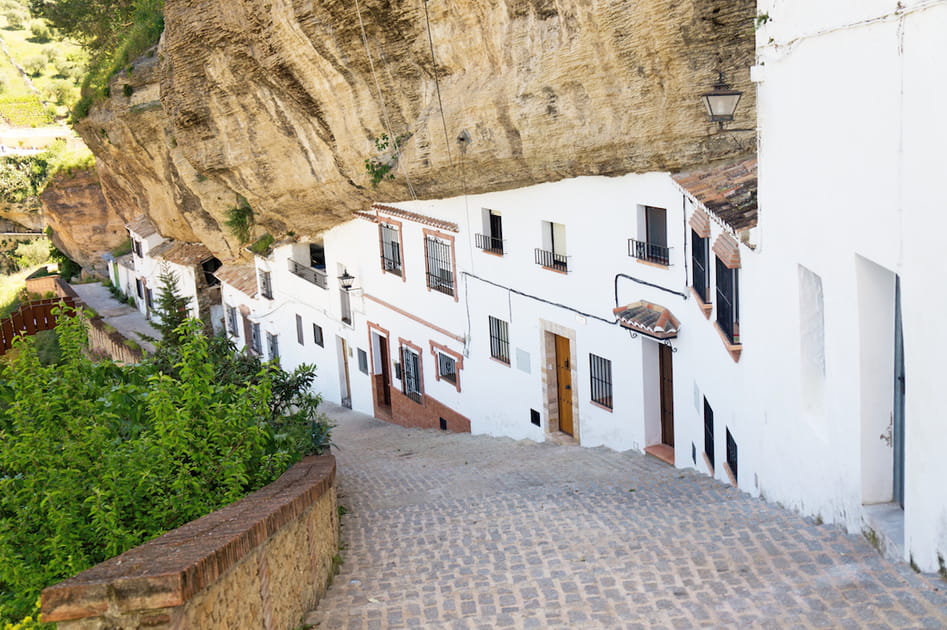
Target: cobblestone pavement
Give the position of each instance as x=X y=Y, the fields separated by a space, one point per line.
x=124 y=318
x=458 y=531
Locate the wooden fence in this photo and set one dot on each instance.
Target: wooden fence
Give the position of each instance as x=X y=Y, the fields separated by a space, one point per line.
x=30 y=319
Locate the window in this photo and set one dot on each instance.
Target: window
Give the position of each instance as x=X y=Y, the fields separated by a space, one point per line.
x=346 y=302
x=412 y=374
x=256 y=342
x=136 y=247
x=272 y=345
x=652 y=222
x=390 y=248
x=499 y=340
x=728 y=307
x=440 y=274
x=492 y=238
x=149 y=299
x=732 y=456
x=299 y=331
x=601 y=375
x=700 y=256
x=553 y=252
x=266 y=285
x=709 y=434
x=362 y=361
x=231 y=320
x=317 y=335
x=139 y=288
x=317 y=255
x=447 y=368
x=210 y=266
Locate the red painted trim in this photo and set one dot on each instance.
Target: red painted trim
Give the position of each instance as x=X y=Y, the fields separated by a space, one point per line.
x=415 y=318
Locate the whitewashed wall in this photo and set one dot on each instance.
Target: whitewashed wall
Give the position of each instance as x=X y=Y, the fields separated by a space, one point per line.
x=851 y=165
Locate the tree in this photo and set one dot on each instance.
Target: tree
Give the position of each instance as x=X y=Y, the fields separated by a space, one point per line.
x=171 y=308
x=95 y=23
x=35 y=65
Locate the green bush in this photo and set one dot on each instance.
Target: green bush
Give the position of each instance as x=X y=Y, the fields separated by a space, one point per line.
x=98 y=458
x=32 y=253
x=240 y=220
x=35 y=65
x=16 y=18
x=40 y=31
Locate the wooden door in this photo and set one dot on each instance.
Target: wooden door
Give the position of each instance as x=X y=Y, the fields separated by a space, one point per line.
x=667 y=395
x=564 y=385
x=385 y=373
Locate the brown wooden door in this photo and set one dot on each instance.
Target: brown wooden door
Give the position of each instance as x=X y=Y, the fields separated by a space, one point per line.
x=564 y=385
x=667 y=395
x=385 y=374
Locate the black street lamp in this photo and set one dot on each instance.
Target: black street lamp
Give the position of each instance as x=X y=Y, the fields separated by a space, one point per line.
x=346 y=280
x=721 y=102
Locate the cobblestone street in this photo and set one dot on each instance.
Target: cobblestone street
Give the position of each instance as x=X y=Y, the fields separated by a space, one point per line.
x=458 y=531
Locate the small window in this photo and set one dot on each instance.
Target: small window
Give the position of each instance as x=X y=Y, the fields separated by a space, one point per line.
x=299 y=330
x=447 y=368
x=728 y=305
x=492 y=238
x=272 y=345
x=256 y=341
x=499 y=340
x=346 y=305
x=362 y=361
x=149 y=299
x=652 y=224
x=552 y=255
x=412 y=374
x=700 y=252
x=601 y=375
x=139 y=288
x=317 y=335
x=732 y=455
x=317 y=255
x=709 y=434
x=440 y=274
x=231 y=320
x=266 y=285
x=209 y=267
x=136 y=247
x=390 y=248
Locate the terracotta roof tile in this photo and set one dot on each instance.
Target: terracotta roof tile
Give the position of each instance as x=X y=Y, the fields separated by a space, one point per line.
x=186 y=254
x=650 y=319
x=142 y=226
x=240 y=277
x=727 y=190
x=406 y=214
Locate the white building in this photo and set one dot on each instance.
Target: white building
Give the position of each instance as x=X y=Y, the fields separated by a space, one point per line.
x=851 y=163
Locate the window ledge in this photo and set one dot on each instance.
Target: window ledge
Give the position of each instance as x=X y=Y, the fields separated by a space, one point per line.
x=704 y=306
x=601 y=406
x=735 y=349
x=493 y=253
x=730 y=475
x=648 y=263
x=564 y=272
x=710 y=468
x=500 y=361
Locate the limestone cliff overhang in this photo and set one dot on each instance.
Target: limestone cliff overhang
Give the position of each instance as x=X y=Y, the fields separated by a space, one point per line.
x=651 y=320
x=727 y=190
x=240 y=277
x=184 y=254
x=141 y=226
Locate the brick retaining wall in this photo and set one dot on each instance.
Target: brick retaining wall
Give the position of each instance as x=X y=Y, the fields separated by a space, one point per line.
x=261 y=562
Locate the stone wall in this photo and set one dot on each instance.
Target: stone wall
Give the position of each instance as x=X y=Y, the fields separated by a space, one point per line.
x=106 y=341
x=261 y=562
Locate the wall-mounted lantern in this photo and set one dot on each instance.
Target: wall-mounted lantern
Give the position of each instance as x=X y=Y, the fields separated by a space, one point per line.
x=346 y=280
x=721 y=102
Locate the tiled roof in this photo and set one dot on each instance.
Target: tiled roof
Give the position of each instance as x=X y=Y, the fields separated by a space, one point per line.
x=240 y=277
x=142 y=226
x=727 y=190
x=408 y=215
x=186 y=254
x=126 y=261
x=650 y=319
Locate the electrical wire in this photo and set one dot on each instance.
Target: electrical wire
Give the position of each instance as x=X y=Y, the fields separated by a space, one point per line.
x=437 y=82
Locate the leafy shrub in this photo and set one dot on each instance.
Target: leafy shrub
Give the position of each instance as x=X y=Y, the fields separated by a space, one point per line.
x=35 y=65
x=98 y=458
x=51 y=52
x=16 y=18
x=261 y=246
x=32 y=253
x=40 y=31
x=240 y=220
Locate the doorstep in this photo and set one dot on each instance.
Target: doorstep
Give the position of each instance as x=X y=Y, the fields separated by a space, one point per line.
x=662 y=451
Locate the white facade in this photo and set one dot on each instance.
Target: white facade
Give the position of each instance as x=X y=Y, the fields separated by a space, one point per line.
x=851 y=144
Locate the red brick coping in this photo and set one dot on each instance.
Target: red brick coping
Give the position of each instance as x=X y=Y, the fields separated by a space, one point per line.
x=171 y=569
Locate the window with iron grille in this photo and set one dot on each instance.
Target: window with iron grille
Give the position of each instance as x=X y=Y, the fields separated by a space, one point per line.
x=440 y=273
x=232 y=320
x=272 y=345
x=728 y=307
x=709 y=433
x=700 y=257
x=601 y=376
x=362 y=361
x=732 y=455
x=499 y=340
x=139 y=288
x=149 y=299
x=299 y=330
x=256 y=341
x=317 y=335
x=412 y=374
x=136 y=247
x=390 y=248
x=266 y=285
x=447 y=368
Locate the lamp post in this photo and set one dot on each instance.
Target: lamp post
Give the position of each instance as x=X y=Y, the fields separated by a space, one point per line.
x=721 y=102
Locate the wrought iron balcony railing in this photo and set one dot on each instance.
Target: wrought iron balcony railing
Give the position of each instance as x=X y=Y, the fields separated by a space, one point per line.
x=315 y=276
x=489 y=244
x=650 y=252
x=551 y=260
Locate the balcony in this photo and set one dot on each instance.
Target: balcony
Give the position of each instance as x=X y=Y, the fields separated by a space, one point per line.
x=315 y=276
x=649 y=252
x=489 y=244
x=551 y=260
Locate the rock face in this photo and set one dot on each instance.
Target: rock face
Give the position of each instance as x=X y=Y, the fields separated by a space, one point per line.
x=280 y=101
x=84 y=225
